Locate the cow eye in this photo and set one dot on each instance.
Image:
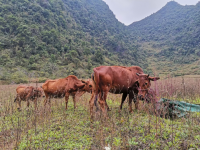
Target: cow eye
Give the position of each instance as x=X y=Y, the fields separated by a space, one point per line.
x=145 y=84
x=90 y=86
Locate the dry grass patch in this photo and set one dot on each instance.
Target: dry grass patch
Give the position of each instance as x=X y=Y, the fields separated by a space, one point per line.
x=56 y=128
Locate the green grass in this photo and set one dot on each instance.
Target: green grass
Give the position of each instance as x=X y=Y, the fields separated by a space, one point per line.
x=63 y=131
x=56 y=128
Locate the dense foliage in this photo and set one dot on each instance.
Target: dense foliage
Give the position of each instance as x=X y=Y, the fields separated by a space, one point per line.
x=173 y=30
x=55 y=38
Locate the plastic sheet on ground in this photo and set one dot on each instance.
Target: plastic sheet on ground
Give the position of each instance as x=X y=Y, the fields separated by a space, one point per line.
x=176 y=108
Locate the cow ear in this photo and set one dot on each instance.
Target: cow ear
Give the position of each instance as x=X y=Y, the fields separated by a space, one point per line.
x=154 y=78
x=80 y=85
x=83 y=81
x=137 y=83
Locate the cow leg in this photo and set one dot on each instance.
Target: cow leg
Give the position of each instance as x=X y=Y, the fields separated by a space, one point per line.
x=123 y=99
x=16 y=99
x=131 y=96
x=136 y=103
x=49 y=101
x=46 y=98
x=27 y=98
x=66 y=99
x=19 y=104
x=35 y=104
x=91 y=102
x=136 y=100
x=102 y=102
x=108 y=109
x=95 y=102
x=74 y=100
x=28 y=103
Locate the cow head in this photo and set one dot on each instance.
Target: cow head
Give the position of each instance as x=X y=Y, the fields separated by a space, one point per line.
x=43 y=94
x=88 y=85
x=38 y=92
x=144 y=84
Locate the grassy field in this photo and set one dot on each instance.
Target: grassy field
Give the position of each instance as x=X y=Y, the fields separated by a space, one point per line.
x=56 y=128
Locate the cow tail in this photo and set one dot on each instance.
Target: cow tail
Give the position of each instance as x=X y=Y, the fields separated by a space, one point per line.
x=95 y=78
x=15 y=99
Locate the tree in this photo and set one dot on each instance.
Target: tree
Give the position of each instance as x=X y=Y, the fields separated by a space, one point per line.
x=99 y=57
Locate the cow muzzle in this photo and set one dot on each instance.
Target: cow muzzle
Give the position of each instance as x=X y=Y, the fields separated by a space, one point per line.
x=141 y=97
x=144 y=99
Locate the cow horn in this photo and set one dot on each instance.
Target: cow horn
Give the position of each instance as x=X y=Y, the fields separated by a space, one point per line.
x=147 y=75
x=138 y=74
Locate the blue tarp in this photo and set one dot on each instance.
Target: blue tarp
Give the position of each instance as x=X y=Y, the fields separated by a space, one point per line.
x=177 y=108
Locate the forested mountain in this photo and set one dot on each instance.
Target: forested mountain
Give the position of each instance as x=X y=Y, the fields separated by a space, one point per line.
x=56 y=38
x=171 y=35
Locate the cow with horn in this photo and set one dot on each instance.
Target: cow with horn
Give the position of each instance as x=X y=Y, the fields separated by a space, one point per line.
x=65 y=87
x=118 y=79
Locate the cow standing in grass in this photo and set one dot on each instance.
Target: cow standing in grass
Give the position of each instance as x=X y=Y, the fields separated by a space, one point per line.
x=27 y=93
x=65 y=87
x=118 y=79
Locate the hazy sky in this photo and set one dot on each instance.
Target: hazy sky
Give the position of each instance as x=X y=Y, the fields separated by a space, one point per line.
x=129 y=11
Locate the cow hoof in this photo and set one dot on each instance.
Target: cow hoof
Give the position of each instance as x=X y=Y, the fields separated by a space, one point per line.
x=91 y=118
x=18 y=109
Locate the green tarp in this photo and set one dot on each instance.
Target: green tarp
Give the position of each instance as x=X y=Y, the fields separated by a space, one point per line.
x=176 y=108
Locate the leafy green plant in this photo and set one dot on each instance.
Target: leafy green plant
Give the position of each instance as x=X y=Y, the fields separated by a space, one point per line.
x=132 y=142
x=117 y=141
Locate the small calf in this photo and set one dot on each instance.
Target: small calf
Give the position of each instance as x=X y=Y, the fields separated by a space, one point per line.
x=27 y=93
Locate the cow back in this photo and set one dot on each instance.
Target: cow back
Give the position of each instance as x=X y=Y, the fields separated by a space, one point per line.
x=60 y=86
x=55 y=86
x=117 y=78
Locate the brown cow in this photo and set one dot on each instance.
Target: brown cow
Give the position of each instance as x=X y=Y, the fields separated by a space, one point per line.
x=26 y=93
x=119 y=79
x=65 y=87
x=144 y=85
